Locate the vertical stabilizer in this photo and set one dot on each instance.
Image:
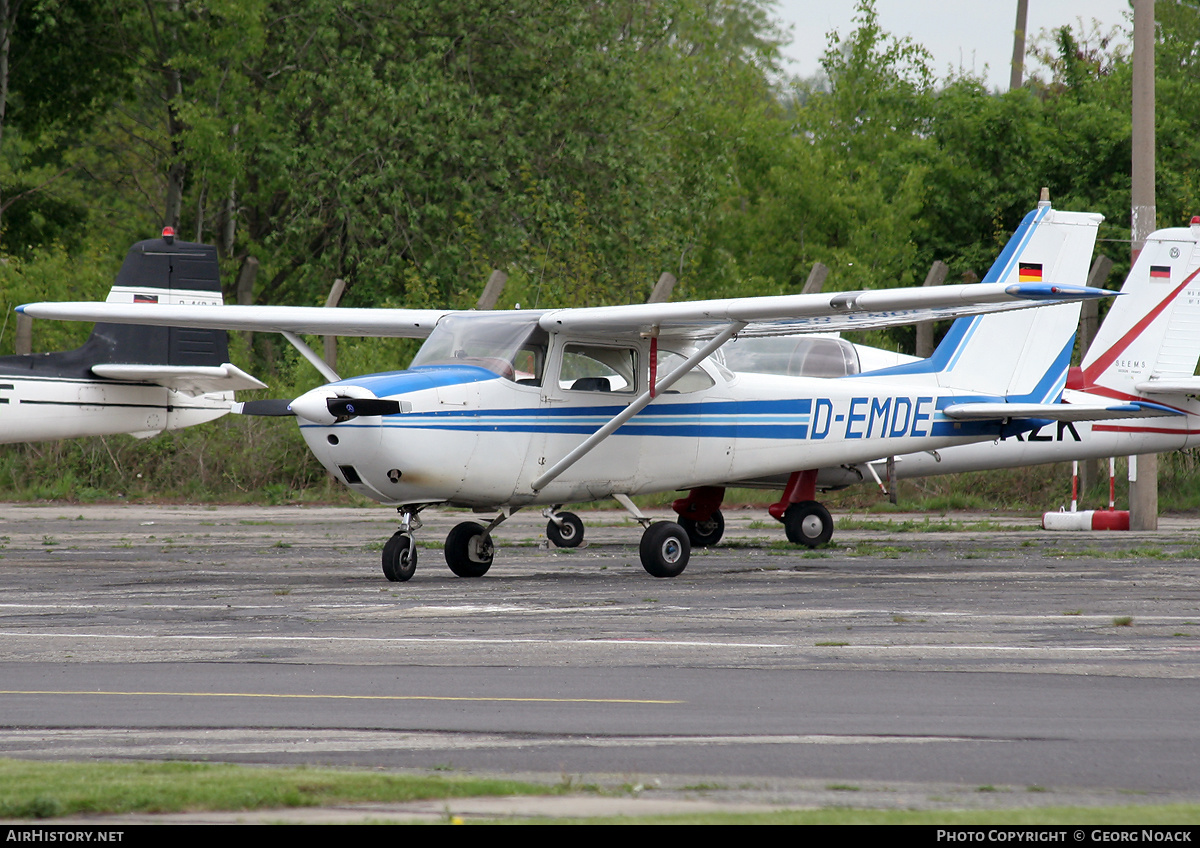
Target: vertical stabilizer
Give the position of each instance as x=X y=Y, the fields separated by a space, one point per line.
x=1152 y=331
x=1022 y=354
x=156 y=271
x=166 y=271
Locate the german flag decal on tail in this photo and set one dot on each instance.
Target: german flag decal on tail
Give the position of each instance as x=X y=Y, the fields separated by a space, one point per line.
x=1030 y=272
x=1160 y=272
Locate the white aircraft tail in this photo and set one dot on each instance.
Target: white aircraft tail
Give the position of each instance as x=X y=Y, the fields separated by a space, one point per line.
x=1006 y=354
x=1149 y=342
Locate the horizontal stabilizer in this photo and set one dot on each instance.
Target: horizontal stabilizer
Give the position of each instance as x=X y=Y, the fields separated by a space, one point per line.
x=1055 y=411
x=190 y=380
x=1186 y=386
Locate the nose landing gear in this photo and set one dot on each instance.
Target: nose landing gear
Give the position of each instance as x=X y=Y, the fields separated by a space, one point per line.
x=400 y=552
x=565 y=529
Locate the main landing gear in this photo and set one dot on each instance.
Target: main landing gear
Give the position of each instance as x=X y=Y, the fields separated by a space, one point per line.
x=808 y=523
x=469 y=550
x=700 y=515
x=805 y=521
x=665 y=547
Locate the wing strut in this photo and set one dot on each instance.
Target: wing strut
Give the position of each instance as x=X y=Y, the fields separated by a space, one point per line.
x=308 y=353
x=642 y=401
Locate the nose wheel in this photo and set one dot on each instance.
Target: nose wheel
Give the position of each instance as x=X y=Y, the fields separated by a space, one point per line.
x=565 y=529
x=400 y=557
x=400 y=551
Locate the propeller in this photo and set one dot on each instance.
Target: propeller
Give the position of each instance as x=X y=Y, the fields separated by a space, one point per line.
x=273 y=407
x=319 y=407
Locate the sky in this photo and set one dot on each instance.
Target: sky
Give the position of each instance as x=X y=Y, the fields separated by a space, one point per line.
x=970 y=34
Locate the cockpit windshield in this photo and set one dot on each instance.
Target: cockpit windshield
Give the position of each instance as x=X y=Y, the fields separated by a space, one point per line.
x=509 y=344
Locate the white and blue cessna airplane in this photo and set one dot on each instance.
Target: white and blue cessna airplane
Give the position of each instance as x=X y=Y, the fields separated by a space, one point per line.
x=127 y=379
x=505 y=410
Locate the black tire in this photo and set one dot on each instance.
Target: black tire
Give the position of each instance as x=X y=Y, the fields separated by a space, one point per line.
x=665 y=549
x=569 y=534
x=469 y=550
x=704 y=534
x=808 y=523
x=399 y=558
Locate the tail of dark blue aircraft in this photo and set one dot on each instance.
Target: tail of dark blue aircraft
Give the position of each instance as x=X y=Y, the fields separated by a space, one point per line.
x=155 y=271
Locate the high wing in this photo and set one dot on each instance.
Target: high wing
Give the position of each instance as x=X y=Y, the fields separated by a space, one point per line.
x=813 y=313
x=316 y=320
x=786 y=314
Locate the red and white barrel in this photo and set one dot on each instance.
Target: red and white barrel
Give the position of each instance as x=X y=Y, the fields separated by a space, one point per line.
x=1087 y=519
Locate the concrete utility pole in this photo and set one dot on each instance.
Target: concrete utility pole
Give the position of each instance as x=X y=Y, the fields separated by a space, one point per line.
x=244 y=289
x=1018 y=59
x=816 y=279
x=663 y=288
x=492 y=290
x=24 y=340
x=936 y=276
x=1143 y=470
x=335 y=297
x=1090 y=470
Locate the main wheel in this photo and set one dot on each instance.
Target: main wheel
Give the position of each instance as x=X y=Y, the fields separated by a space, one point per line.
x=569 y=534
x=665 y=549
x=808 y=523
x=704 y=534
x=469 y=550
x=399 y=558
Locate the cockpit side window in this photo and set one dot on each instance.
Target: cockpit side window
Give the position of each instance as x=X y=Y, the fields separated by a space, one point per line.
x=692 y=381
x=594 y=368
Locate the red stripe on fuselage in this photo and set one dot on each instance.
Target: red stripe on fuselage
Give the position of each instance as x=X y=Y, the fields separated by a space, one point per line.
x=1106 y=359
x=1116 y=428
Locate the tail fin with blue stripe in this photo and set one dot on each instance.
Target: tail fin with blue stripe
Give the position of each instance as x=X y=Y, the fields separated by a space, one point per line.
x=1022 y=355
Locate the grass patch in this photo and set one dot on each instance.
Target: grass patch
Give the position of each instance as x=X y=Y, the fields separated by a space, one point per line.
x=923 y=525
x=871 y=549
x=1123 y=621
x=44 y=790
